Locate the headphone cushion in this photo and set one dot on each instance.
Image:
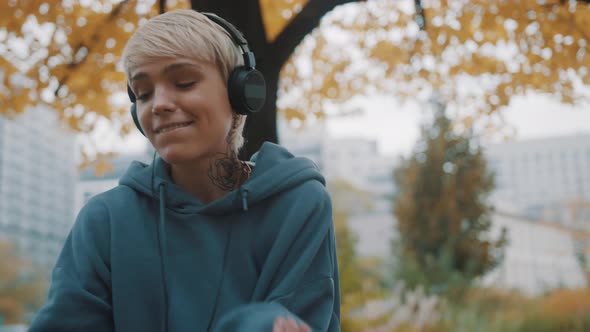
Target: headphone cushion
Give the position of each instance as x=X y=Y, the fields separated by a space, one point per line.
x=247 y=90
x=135 y=118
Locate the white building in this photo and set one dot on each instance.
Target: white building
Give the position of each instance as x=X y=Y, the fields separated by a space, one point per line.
x=37 y=179
x=89 y=184
x=368 y=178
x=375 y=232
x=350 y=158
x=357 y=161
x=307 y=141
x=543 y=178
x=538 y=257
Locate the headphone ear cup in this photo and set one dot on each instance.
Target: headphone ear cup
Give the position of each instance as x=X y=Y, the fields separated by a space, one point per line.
x=135 y=118
x=247 y=90
x=130 y=94
x=134 y=109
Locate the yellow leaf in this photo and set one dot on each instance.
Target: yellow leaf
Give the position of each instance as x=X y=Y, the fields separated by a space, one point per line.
x=276 y=14
x=103 y=167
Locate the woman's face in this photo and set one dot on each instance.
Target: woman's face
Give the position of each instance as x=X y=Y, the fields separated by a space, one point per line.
x=183 y=108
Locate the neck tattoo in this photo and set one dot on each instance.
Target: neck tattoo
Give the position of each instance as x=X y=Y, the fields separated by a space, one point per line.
x=228 y=173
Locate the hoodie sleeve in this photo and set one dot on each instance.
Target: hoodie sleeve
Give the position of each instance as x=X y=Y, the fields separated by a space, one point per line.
x=300 y=275
x=79 y=297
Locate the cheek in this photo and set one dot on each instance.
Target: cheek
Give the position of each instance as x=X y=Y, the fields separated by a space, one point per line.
x=228 y=123
x=146 y=122
x=222 y=119
x=219 y=129
x=226 y=115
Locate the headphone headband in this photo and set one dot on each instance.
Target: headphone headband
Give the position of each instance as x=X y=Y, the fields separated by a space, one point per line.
x=246 y=85
x=238 y=38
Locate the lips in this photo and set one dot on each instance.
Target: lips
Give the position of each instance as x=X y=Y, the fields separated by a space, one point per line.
x=171 y=126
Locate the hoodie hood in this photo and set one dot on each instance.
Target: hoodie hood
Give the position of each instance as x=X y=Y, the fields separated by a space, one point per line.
x=275 y=171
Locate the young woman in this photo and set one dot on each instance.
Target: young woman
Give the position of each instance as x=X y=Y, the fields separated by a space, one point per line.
x=199 y=240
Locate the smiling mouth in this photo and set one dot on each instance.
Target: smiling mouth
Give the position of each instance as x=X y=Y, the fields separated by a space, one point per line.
x=173 y=127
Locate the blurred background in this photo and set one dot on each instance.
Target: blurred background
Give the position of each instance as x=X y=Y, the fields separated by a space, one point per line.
x=454 y=135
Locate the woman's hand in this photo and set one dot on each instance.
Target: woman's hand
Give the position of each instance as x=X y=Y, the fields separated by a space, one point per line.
x=282 y=324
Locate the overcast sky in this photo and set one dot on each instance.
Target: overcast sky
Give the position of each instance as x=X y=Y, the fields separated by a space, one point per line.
x=396 y=129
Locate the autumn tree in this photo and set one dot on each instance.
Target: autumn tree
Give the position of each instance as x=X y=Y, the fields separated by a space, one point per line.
x=442 y=209
x=67 y=55
x=350 y=278
x=476 y=54
x=21 y=288
x=360 y=279
x=274 y=29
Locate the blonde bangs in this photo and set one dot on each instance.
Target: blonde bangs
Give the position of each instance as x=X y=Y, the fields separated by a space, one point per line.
x=182 y=33
x=185 y=33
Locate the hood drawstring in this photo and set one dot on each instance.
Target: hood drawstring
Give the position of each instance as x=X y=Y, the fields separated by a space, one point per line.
x=244 y=195
x=162 y=249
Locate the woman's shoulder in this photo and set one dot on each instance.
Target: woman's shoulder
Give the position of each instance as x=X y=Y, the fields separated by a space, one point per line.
x=313 y=189
x=109 y=201
x=309 y=196
x=113 y=195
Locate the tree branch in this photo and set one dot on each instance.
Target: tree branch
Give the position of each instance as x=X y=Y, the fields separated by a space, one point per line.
x=577 y=27
x=244 y=15
x=307 y=20
x=572 y=18
x=75 y=64
x=420 y=17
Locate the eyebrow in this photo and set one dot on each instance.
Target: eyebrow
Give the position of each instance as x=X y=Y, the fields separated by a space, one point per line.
x=167 y=69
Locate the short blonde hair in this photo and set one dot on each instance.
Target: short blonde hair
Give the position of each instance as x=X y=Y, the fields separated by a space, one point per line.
x=188 y=34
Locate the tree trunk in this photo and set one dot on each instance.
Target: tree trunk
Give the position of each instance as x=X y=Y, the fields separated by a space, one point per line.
x=270 y=56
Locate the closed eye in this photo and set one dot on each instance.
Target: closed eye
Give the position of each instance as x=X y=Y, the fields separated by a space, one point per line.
x=143 y=96
x=185 y=85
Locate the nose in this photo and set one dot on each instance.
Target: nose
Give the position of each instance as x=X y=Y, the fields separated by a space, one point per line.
x=163 y=101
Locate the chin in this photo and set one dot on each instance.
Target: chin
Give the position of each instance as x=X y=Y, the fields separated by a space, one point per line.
x=180 y=154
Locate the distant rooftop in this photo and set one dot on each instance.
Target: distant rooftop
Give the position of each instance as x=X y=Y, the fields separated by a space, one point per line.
x=583 y=136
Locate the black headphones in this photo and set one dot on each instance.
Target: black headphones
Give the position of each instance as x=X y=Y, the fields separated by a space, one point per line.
x=246 y=85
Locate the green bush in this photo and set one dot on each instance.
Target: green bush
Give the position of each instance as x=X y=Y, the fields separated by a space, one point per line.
x=489 y=310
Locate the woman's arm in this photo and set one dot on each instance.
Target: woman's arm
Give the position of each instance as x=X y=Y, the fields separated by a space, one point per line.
x=80 y=296
x=289 y=325
x=300 y=275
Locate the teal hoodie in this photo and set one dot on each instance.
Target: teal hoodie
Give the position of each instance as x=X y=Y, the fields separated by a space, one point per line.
x=148 y=256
